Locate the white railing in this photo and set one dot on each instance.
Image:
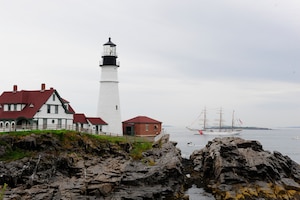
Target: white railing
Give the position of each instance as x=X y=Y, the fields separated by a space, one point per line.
x=13 y=128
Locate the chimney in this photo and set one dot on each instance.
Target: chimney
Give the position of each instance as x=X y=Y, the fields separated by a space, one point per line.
x=15 y=89
x=43 y=87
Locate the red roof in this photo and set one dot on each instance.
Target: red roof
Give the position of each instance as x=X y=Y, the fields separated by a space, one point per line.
x=142 y=120
x=96 y=121
x=79 y=118
x=33 y=101
x=64 y=100
x=70 y=109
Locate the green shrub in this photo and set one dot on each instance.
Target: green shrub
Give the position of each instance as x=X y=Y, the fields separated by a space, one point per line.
x=16 y=154
x=139 y=144
x=2 y=191
x=139 y=148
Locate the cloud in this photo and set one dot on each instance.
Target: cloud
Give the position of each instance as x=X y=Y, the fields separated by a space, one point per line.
x=175 y=57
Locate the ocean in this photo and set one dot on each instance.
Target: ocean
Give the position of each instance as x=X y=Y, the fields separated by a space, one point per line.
x=283 y=140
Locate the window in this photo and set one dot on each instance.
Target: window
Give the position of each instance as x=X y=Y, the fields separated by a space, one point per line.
x=48 y=108
x=53 y=97
x=147 y=127
x=15 y=107
x=56 y=109
x=13 y=125
x=59 y=123
x=9 y=107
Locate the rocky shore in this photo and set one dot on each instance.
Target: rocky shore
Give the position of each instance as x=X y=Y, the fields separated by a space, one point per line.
x=233 y=168
x=74 y=166
x=86 y=168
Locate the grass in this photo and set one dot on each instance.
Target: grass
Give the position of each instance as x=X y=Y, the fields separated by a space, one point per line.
x=16 y=154
x=139 y=148
x=2 y=191
x=27 y=132
x=139 y=145
x=112 y=139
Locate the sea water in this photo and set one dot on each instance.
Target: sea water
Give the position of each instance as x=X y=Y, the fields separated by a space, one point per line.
x=284 y=140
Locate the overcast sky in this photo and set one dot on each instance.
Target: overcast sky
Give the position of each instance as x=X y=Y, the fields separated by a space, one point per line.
x=176 y=57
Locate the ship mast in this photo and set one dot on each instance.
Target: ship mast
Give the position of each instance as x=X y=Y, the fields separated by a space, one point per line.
x=232 y=122
x=204 y=119
x=220 y=120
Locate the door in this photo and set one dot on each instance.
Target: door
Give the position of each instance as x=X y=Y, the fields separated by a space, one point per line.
x=129 y=130
x=45 y=123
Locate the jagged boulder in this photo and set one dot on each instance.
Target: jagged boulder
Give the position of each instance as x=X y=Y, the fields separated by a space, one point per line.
x=234 y=168
x=82 y=168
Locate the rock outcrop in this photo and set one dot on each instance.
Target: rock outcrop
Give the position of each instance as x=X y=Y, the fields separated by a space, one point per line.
x=81 y=167
x=234 y=168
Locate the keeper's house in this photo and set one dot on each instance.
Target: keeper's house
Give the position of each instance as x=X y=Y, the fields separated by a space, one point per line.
x=142 y=126
x=40 y=109
x=88 y=124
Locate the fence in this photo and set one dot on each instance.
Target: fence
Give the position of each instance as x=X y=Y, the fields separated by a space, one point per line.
x=28 y=127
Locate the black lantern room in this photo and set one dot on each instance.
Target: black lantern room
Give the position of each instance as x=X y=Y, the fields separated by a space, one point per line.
x=109 y=53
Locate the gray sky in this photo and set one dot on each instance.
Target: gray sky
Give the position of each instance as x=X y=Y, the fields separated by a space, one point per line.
x=176 y=57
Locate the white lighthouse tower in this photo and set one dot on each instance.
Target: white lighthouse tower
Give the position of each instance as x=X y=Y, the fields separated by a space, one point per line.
x=109 y=101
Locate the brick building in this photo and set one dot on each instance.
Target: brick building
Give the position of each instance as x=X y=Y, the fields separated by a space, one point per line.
x=142 y=126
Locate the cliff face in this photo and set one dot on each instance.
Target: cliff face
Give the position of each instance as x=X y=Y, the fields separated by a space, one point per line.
x=233 y=168
x=80 y=166
x=75 y=166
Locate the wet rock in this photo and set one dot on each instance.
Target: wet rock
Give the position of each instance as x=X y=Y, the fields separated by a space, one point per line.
x=2 y=151
x=234 y=168
x=27 y=143
x=83 y=168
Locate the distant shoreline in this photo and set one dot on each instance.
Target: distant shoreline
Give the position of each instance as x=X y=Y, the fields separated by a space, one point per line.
x=241 y=127
x=253 y=128
x=238 y=127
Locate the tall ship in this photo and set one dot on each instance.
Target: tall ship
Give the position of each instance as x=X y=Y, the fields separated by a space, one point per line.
x=219 y=129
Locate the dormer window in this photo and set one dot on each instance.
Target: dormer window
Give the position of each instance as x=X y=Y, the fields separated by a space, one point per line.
x=31 y=105
x=12 y=107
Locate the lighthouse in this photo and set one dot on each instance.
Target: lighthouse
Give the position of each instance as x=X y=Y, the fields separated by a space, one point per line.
x=109 y=101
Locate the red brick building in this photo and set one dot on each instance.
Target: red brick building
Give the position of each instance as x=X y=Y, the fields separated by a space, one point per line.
x=141 y=126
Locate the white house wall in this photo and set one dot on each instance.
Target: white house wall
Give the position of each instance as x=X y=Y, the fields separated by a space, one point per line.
x=52 y=118
x=6 y=126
